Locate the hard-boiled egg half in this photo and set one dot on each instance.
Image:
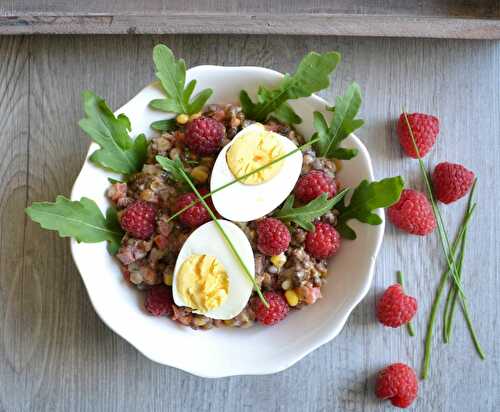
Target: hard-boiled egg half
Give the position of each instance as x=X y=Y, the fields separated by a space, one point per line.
x=208 y=278
x=264 y=191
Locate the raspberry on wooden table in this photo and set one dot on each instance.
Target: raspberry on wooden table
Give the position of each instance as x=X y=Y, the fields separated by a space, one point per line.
x=413 y=213
x=273 y=237
x=277 y=310
x=139 y=219
x=204 y=135
x=451 y=181
x=159 y=300
x=323 y=242
x=395 y=308
x=425 y=128
x=398 y=383
x=313 y=184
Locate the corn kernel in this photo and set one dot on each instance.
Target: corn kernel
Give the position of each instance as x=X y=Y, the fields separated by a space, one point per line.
x=338 y=164
x=207 y=161
x=278 y=260
x=291 y=297
x=195 y=116
x=168 y=279
x=182 y=118
x=200 y=174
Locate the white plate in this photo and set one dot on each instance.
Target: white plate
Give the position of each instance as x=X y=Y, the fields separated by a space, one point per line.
x=227 y=352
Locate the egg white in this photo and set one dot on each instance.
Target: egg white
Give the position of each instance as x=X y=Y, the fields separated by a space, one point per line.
x=243 y=203
x=207 y=240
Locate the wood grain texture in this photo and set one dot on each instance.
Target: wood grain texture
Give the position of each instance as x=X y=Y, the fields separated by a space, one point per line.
x=425 y=18
x=55 y=353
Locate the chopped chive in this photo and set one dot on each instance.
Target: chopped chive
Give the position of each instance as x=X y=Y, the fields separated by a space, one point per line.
x=445 y=242
x=238 y=179
x=224 y=235
x=437 y=298
x=449 y=307
x=409 y=325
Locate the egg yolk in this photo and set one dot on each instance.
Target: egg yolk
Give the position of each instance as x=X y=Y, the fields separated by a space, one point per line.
x=255 y=149
x=202 y=282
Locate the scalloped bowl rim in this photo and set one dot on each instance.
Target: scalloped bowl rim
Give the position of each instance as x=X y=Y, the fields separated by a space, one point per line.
x=271 y=367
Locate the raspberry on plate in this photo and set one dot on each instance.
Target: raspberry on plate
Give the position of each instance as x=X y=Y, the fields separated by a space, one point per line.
x=139 y=219
x=313 y=184
x=413 y=213
x=451 y=181
x=425 y=129
x=159 y=300
x=196 y=215
x=273 y=237
x=323 y=242
x=204 y=135
x=277 y=310
x=395 y=308
x=398 y=383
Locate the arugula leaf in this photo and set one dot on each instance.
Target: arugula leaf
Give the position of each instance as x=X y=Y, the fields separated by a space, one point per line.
x=113 y=181
x=343 y=123
x=166 y=125
x=172 y=167
x=311 y=75
x=81 y=220
x=118 y=151
x=304 y=216
x=365 y=199
x=172 y=76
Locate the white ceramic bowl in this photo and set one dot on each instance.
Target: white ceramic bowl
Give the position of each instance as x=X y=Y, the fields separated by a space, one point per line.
x=226 y=352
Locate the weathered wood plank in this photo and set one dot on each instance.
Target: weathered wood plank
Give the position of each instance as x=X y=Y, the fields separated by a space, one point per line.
x=427 y=18
x=56 y=355
x=293 y=24
x=442 y=8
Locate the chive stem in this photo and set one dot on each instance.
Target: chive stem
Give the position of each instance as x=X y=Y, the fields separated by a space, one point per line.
x=437 y=297
x=451 y=298
x=224 y=235
x=238 y=179
x=443 y=236
x=401 y=281
x=444 y=240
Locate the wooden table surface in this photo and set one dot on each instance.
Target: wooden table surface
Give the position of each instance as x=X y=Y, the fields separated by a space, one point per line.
x=466 y=19
x=56 y=354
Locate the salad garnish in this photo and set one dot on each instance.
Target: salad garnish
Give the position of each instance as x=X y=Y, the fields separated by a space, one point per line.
x=366 y=198
x=119 y=152
x=172 y=76
x=82 y=220
x=304 y=216
x=343 y=123
x=312 y=75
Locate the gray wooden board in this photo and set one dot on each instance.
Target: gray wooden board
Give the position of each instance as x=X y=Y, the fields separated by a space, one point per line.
x=56 y=354
x=425 y=18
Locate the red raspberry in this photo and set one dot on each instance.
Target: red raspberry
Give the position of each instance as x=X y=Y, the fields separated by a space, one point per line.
x=159 y=300
x=139 y=219
x=425 y=130
x=395 y=308
x=277 y=311
x=273 y=237
x=313 y=184
x=204 y=135
x=451 y=181
x=413 y=213
x=323 y=242
x=398 y=383
x=196 y=215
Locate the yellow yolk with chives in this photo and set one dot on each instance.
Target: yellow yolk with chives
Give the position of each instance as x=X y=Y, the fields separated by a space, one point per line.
x=202 y=282
x=252 y=150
